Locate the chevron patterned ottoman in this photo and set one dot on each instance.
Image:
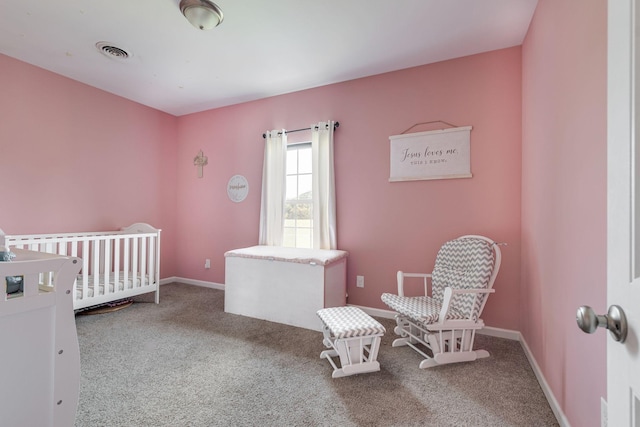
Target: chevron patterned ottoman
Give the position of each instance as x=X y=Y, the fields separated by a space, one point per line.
x=354 y=337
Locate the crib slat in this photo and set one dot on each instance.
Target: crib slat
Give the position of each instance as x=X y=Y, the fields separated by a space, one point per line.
x=127 y=260
x=134 y=262
x=152 y=260
x=62 y=247
x=116 y=261
x=157 y=258
x=106 y=260
x=143 y=258
x=84 y=247
x=95 y=270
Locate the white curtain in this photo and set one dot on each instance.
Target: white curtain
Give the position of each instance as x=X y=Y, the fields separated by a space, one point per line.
x=273 y=188
x=324 y=186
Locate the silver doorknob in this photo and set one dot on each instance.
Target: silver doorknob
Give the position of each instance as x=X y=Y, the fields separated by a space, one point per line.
x=615 y=321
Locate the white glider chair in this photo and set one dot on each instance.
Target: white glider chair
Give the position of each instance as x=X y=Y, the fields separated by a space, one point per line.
x=446 y=321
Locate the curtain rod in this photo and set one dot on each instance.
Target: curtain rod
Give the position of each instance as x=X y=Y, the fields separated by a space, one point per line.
x=335 y=126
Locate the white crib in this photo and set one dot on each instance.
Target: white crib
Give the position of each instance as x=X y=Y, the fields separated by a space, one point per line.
x=39 y=353
x=115 y=264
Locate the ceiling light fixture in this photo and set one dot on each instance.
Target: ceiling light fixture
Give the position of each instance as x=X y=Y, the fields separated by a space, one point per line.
x=202 y=14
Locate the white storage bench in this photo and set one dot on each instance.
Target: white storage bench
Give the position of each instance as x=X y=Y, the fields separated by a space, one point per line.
x=284 y=285
x=354 y=337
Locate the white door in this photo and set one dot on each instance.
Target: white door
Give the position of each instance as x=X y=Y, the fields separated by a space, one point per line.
x=623 y=210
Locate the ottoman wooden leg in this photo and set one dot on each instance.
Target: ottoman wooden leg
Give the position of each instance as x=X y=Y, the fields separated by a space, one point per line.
x=353 y=337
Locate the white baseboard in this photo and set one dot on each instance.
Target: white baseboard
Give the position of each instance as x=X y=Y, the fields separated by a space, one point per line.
x=500 y=333
x=194 y=282
x=555 y=406
x=168 y=280
x=487 y=330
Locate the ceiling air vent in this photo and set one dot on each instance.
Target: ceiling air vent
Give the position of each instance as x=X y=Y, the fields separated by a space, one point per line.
x=108 y=49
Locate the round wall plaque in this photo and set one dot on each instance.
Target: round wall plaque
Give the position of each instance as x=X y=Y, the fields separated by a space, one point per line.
x=237 y=188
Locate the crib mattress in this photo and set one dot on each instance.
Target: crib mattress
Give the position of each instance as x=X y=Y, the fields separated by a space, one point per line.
x=132 y=282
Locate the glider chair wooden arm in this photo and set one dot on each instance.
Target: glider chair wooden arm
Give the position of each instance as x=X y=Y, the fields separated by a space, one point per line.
x=401 y=276
x=444 y=323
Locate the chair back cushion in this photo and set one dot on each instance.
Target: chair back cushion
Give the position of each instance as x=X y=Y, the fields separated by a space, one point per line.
x=463 y=263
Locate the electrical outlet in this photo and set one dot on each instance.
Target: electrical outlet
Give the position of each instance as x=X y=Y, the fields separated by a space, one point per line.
x=360 y=281
x=207 y=263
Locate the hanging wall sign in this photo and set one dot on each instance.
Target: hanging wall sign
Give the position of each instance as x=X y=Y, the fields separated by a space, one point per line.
x=237 y=188
x=438 y=154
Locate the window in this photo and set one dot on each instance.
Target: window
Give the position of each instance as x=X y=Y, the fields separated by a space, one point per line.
x=298 y=215
x=298 y=207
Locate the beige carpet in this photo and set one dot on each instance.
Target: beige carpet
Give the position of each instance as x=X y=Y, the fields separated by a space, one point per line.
x=185 y=362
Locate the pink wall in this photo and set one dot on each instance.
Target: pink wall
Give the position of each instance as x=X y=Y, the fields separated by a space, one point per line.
x=75 y=158
x=384 y=226
x=98 y=161
x=564 y=199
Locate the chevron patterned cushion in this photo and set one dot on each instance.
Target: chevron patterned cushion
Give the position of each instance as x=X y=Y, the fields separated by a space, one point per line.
x=348 y=322
x=464 y=263
x=419 y=309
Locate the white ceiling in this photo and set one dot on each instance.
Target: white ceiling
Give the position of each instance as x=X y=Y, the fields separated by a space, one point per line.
x=262 y=48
